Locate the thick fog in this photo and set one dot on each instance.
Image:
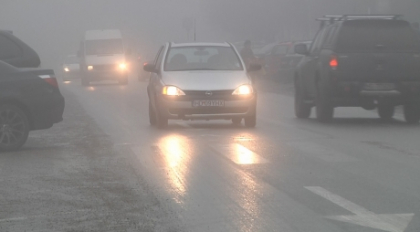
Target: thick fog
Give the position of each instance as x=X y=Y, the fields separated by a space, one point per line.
x=54 y=27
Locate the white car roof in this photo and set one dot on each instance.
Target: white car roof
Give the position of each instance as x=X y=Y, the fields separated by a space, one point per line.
x=102 y=34
x=176 y=45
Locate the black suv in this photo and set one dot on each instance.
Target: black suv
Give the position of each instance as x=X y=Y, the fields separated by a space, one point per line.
x=370 y=61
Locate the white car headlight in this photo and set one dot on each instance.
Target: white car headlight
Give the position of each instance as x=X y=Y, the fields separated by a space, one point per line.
x=90 y=67
x=172 y=91
x=66 y=69
x=243 y=90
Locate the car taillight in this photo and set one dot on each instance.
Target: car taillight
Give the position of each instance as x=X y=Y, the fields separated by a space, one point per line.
x=334 y=62
x=50 y=79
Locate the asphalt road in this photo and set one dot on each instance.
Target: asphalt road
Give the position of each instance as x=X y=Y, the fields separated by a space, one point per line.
x=106 y=169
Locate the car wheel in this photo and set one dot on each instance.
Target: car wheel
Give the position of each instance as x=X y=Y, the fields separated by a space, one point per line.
x=14 y=128
x=161 y=120
x=412 y=113
x=251 y=121
x=386 y=111
x=324 y=108
x=236 y=121
x=152 y=115
x=302 y=110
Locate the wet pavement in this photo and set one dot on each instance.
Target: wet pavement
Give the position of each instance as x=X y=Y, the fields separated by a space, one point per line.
x=106 y=169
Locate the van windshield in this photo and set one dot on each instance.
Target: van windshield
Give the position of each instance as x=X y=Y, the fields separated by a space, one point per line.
x=104 y=46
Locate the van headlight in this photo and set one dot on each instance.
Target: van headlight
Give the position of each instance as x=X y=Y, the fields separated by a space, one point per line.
x=122 y=66
x=243 y=90
x=172 y=91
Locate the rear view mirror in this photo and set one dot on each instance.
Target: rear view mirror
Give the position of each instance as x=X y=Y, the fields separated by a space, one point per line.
x=301 y=49
x=149 y=67
x=254 y=67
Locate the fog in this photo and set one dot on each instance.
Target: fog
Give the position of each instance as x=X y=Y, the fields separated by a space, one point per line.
x=54 y=27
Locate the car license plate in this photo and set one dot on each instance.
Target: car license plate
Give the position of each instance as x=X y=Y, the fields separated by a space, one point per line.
x=208 y=103
x=379 y=86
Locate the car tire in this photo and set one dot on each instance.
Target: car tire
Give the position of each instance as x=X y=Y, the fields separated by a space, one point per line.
x=412 y=113
x=324 y=107
x=236 y=121
x=251 y=121
x=161 y=120
x=302 y=110
x=14 y=128
x=152 y=115
x=386 y=111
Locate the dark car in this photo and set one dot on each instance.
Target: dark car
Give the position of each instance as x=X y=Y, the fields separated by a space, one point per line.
x=281 y=60
x=360 y=61
x=29 y=100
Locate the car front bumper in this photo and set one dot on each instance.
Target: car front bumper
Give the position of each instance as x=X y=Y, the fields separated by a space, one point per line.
x=181 y=107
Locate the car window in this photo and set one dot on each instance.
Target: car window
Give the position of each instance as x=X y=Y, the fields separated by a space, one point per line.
x=377 y=35
x=202 y=58
x=280 y=50
x=71 y=60
x=9 y=49
x=317 y=42
x=329 y=37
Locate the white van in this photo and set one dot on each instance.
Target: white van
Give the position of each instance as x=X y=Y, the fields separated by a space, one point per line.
x=102 y=57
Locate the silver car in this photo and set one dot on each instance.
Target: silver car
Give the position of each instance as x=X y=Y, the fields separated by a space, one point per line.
x=206 y=81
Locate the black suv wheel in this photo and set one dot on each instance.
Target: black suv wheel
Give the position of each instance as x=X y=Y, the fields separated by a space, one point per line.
x=386 y=111
x=324 y=107
x=412 y=113
x=302 y=110
x=14 y=128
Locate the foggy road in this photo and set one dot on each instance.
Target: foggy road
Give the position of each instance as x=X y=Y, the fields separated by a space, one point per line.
x=106 y=169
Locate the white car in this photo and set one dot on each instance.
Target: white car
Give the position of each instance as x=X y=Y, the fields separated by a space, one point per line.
x=71 y=67
x=201 y=81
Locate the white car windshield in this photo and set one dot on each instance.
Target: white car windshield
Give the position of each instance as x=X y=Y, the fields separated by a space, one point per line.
x=104 y=46
x=202 y=58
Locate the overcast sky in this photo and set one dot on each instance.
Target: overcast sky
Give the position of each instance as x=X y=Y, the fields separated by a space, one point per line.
x=54 y=27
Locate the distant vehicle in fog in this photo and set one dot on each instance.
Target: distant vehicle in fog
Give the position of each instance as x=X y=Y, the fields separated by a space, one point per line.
x=29 y=100
x=15 y=52
x=71 y=67
x=281 y=60
x=102 y=57
x=360 y=61
x=201 y=81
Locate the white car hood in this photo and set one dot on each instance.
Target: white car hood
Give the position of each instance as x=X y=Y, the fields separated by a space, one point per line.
x=105 y=59
x=206 y=80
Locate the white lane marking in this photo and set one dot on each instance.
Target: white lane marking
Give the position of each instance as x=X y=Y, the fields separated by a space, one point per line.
x=364 y=217
x=13 y=219
x=239 y=154
x=322 y=152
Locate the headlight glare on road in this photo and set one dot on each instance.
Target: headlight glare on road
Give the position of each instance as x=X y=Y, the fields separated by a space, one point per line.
x=243 y=90
x=90 y=67
x=66 y=69
x=172 y=91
